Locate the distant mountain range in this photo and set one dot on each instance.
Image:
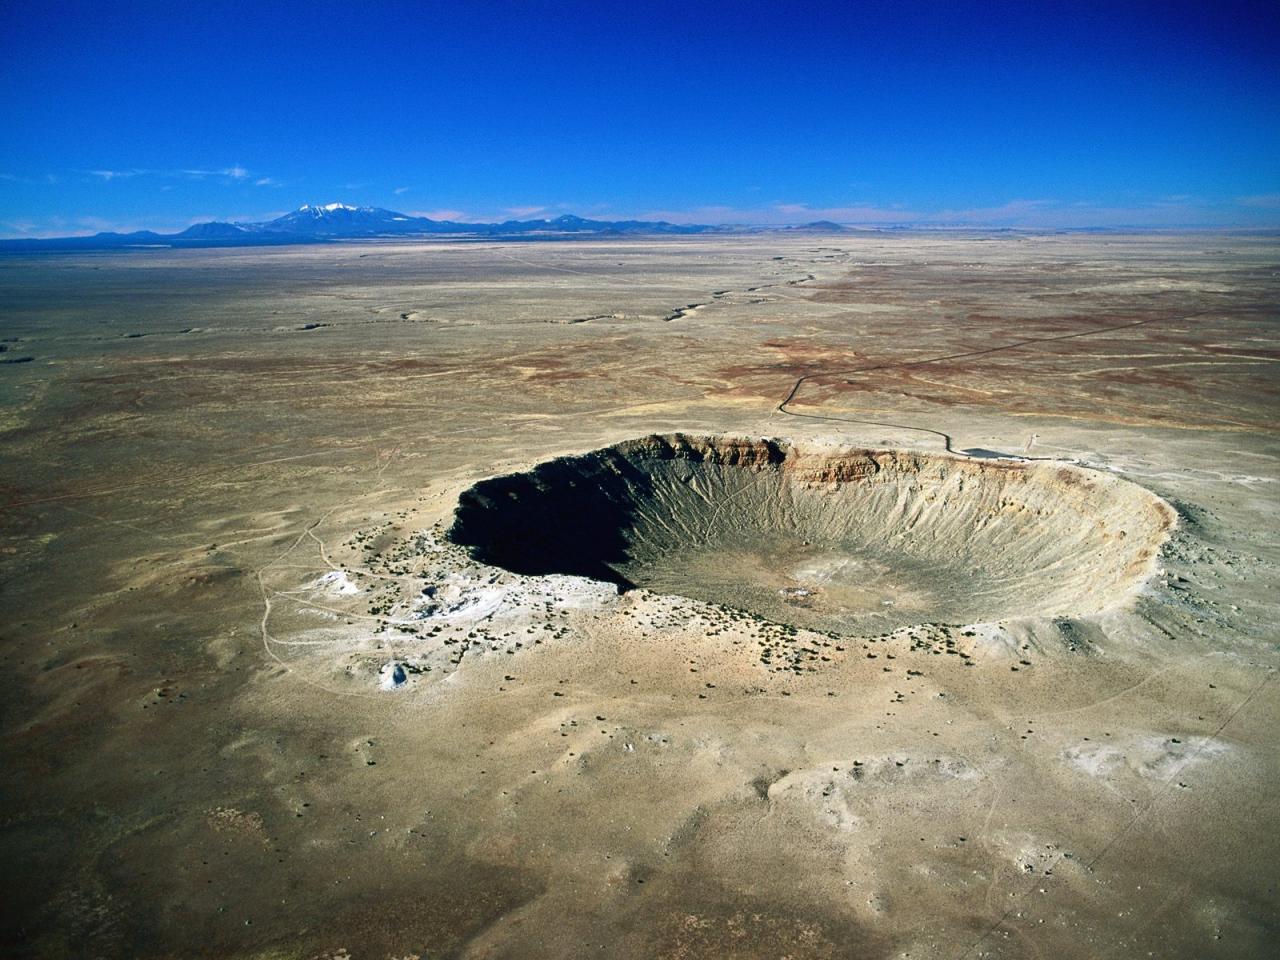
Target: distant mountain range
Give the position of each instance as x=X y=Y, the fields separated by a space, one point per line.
x=339 y=221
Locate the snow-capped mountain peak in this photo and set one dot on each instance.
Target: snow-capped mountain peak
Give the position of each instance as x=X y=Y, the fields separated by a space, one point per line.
x=331 y=219
x=320 y=209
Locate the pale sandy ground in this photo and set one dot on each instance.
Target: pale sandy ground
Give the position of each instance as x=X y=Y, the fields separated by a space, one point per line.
x=218 y=526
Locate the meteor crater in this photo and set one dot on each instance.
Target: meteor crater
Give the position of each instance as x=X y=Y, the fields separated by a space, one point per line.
x=832 y=538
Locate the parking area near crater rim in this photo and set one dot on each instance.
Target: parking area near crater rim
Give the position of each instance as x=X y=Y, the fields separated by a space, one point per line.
x=620 y=769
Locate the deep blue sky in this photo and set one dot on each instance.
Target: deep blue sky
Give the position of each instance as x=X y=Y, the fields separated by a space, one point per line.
x=124 y=115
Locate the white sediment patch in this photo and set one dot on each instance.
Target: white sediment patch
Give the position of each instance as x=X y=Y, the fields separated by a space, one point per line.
x=844 y=794
x=462 y=599
x=335 y=583
x=825 y=795
x=1156 y=285
x=392 y=676
x=991 y=640
x=1151 y=756
x=1030 y=854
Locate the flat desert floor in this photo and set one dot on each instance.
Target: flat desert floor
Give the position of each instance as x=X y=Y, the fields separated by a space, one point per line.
x=673 y=598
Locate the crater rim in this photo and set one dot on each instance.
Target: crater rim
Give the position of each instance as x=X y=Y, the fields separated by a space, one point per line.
x=950 y=540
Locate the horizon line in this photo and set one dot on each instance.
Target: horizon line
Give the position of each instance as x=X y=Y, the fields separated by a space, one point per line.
x=90 y=226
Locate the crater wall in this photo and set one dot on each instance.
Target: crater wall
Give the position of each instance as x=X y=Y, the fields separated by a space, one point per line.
x=842 y=539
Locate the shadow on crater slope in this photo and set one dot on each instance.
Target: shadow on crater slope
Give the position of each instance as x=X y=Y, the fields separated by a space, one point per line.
x=831 y=538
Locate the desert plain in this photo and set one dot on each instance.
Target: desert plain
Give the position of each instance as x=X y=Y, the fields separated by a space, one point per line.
x=871 y=595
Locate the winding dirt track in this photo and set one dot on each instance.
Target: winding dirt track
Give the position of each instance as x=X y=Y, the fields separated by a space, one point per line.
x=906 y=364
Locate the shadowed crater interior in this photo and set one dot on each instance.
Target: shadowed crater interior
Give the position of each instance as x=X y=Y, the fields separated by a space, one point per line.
x=831 y=538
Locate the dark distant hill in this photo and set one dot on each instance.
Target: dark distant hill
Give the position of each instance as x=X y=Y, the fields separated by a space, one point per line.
x=216 y=230
x=340 y=221
x=819 y=226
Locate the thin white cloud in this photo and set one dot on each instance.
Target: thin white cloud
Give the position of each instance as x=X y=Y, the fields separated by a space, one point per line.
x=266 y=182
x=21 y=229
x=99 y=224
x=1010 y=212
x=713 y=215
x=1266 y=200
x=439 y=214
x=236 y=172
x=47 y=178
x=1169 y=212
x=784 y=214
x=851 y=213
x=233 y=173
x=1033 y=213
x=1162 y=213
x=108 y=175
x=399 y=191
